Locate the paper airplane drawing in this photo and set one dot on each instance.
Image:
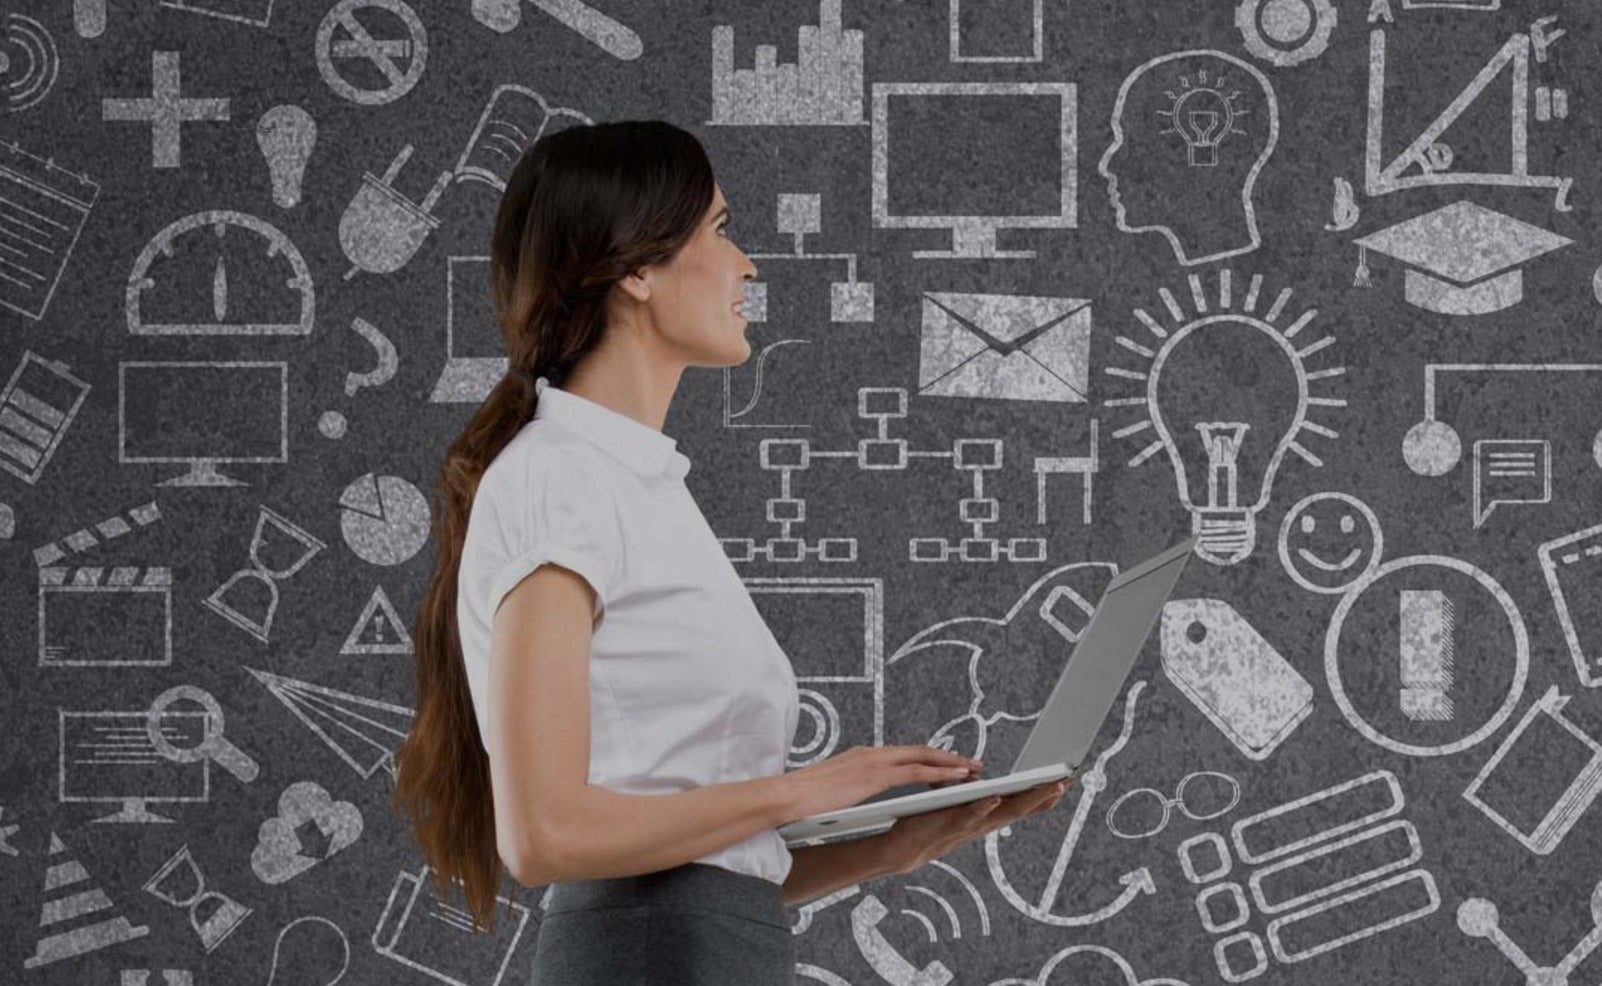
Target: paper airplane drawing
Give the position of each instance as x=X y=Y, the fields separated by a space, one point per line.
x=365 y=732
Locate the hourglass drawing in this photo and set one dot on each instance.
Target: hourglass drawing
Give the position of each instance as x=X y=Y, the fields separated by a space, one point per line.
x=250 y=596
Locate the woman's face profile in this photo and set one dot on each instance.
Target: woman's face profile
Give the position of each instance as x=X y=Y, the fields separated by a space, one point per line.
x=696 y=297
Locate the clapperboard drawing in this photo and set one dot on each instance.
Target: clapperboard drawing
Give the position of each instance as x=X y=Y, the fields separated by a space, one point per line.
x=98 y=616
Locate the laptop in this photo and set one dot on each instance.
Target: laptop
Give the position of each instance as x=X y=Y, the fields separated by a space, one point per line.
x=1063 y=735
x=475 y=353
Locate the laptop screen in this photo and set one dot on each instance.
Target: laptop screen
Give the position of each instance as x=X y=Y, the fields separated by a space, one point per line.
x=474 y=331
x=1098 y=668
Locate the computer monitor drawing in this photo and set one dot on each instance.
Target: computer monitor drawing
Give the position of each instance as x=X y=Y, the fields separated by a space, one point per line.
x=108 y=757
x=975 y=157
x=475 y=354
x=203 y=414
x=832 y=632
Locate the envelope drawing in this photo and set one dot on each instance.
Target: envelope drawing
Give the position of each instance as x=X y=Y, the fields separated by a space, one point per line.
x=1002 y=346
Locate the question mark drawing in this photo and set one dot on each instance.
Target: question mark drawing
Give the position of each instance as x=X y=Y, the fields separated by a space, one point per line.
x=332 y=423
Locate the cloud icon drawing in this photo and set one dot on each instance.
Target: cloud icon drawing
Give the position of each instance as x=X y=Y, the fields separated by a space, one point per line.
x=310 y=827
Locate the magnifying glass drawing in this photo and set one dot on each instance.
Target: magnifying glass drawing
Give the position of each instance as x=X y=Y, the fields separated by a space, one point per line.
x=211 y=746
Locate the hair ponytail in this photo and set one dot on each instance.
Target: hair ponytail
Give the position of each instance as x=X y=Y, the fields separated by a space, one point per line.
x=582 y=209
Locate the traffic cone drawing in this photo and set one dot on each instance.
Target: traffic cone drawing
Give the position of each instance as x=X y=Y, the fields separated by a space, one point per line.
x=70 y=897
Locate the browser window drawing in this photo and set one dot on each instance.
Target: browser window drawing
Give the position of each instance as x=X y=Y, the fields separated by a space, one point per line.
x=514 y=118
x=1004 y=347
x=975 y=157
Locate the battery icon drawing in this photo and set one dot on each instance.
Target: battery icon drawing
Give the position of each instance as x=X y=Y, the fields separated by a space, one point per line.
x=36 y=408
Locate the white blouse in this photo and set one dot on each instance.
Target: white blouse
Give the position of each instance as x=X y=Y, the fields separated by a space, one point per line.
x=687 y=685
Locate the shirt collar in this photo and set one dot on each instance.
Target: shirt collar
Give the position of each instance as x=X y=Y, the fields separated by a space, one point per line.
x=642 y=448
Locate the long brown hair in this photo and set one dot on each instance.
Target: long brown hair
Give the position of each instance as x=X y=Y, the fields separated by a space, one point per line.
x=583 y=208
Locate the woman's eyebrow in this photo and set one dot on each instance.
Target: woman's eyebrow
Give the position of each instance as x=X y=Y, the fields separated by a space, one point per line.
x=722 y=213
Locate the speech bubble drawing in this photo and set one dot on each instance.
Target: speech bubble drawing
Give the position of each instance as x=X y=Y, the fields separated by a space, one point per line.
x=1510 y=470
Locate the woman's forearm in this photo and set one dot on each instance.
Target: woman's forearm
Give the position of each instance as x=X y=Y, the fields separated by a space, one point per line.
x=819 y=870
x=608 y=834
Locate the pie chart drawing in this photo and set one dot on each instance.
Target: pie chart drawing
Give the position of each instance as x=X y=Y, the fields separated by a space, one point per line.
x=384 y=519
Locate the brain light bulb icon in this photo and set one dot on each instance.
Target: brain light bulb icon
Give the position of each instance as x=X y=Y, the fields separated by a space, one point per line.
x=1223 y=113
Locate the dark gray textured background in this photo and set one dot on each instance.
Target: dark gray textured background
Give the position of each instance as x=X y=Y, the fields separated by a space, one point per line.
x=203 y=536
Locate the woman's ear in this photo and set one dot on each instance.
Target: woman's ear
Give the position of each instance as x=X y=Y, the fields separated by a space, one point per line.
x=636 y=285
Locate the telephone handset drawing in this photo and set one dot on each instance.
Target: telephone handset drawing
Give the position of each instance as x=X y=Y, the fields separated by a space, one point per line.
x=885 y=959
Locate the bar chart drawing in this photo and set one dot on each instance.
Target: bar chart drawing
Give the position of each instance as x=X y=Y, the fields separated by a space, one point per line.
x=822 y=86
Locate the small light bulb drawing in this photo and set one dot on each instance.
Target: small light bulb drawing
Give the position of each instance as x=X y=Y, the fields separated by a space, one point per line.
x=1203 y=116
x=285 y=135
x=1227 y=394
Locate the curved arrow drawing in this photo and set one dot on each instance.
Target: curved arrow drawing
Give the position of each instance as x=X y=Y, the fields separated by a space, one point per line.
x=1135 y=882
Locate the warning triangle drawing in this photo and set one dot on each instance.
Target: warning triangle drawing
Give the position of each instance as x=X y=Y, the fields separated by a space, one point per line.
x=70 y=897
x=379 y=630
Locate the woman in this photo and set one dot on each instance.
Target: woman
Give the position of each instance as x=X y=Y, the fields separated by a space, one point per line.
x=600 y=705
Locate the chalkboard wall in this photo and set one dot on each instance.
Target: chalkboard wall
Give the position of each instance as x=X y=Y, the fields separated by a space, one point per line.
x=1044 y=288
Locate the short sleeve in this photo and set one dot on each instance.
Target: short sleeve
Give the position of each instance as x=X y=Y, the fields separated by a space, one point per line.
x=560 y=514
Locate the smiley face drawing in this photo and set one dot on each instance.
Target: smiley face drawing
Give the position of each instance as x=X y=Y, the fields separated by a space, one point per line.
x=1328 y=541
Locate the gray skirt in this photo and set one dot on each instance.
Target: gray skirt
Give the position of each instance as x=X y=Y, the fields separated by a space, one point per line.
x=692 y=925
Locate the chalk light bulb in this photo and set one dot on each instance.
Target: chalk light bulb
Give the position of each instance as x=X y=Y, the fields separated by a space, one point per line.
x=285 y=135
x=1229 y=474
x=1227 y=395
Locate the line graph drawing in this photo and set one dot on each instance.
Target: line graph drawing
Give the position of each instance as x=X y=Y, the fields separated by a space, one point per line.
x=731 y=417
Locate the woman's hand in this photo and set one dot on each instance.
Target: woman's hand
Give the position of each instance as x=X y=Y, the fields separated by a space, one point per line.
x=917 y=839
x=859 y=773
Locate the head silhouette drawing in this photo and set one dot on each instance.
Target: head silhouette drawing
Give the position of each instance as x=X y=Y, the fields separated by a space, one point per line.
x=1191 y=131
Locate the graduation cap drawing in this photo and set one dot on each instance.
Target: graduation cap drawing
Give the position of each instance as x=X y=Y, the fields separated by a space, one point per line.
x=1463 y=259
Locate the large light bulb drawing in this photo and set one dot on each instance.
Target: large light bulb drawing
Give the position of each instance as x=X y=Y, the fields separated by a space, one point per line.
x=1227 y=394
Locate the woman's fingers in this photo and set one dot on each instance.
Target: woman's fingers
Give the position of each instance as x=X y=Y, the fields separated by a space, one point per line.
x=914 y=772
x=1030 y=801
x=925 y=754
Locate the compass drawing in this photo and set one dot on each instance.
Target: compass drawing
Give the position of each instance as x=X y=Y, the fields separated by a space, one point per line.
x=220 y=273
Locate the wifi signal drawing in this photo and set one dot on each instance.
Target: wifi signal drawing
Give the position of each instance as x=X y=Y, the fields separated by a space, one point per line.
x=28 y=62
